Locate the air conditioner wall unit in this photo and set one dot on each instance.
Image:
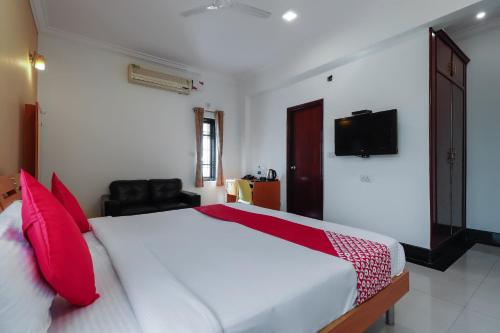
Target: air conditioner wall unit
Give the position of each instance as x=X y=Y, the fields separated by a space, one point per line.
x=149 y=78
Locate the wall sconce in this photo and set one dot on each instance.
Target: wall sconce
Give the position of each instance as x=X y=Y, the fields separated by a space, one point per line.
x=37 y=61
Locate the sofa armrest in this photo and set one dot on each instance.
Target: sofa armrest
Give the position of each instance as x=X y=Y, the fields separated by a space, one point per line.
x=110 y=207
x=190 y=198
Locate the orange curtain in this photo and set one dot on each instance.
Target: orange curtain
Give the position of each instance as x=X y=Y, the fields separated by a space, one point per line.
x=219 y=119
x=198 y=118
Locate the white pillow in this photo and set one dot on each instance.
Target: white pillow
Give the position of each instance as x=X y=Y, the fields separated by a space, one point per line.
x=12 y=212
x=25 y=298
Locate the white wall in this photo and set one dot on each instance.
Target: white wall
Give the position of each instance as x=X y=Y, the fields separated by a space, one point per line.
x=483 y=134
x=97 y=127
x=396 y=202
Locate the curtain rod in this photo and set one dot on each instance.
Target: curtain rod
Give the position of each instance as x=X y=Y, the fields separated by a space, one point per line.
x=209 y=111
x=207 y=108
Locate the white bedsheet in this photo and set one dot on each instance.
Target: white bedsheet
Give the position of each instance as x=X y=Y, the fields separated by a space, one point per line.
x=111 y=313
x=186 y=272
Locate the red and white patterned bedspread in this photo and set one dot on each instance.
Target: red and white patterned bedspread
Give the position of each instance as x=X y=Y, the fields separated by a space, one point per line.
x=371 y=260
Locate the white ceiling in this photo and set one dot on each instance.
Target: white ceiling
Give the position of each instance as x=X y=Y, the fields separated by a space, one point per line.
x=466 y=23
x=222 y=41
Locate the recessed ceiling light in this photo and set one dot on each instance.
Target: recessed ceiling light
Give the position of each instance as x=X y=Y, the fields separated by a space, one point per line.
x=480 y=15
x=289 y=16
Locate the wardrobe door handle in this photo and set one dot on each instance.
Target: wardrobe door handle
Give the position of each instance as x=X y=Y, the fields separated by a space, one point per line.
x=452 y=155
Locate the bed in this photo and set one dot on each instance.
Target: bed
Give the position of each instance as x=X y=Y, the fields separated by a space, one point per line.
x=220 y=276
x=183 y=271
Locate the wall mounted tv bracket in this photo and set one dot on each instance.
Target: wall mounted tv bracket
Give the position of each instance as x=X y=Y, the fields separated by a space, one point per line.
x=360 y=112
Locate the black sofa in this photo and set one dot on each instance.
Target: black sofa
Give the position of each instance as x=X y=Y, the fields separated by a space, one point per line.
x=134 y=197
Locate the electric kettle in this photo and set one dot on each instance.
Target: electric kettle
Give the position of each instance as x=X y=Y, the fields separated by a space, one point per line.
x=271 y=175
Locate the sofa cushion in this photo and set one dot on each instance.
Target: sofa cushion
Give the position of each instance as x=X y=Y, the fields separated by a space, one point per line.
x=138 y=209
x=163 y=190
x=130 y=192
x=165 y=206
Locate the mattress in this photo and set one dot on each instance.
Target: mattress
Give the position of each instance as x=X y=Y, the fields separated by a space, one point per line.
x=111 y=313
x=182 y=270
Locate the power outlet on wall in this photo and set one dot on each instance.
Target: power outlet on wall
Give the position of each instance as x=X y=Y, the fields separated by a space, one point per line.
x=365 y=179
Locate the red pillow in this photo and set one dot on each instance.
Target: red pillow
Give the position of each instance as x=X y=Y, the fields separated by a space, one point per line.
x=68 y=200
x=61 y=252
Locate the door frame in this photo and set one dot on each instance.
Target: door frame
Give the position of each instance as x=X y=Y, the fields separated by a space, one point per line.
x=320 y=103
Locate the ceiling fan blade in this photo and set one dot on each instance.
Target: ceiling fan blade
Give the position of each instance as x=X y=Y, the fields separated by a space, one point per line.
x=195 y=11
x=250 y=10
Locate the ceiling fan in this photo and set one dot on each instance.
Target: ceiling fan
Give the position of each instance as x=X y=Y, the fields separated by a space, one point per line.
x=227 y=4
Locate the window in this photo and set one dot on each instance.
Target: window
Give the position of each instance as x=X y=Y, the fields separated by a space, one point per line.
x=208 y=155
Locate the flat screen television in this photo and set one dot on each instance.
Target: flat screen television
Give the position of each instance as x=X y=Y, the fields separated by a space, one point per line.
x=367 y=134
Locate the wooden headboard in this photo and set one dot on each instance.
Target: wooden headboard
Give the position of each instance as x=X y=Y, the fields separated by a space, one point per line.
x=9 y=190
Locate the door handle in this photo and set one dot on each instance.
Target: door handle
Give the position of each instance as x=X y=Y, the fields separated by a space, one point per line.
x=293 y=167
x=453 y=155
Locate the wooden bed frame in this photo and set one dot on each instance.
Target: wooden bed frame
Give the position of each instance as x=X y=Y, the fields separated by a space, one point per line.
x=9 y=190
x=355 y=321
x=362 y=317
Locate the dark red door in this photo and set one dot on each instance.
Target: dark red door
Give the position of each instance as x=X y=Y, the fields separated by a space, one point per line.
x=305 y=160
x=30 y=140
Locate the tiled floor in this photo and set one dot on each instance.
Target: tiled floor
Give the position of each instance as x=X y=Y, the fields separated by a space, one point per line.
x=464 y=299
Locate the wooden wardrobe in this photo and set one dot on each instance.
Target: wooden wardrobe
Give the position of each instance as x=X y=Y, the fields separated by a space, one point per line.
x=448 y=92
